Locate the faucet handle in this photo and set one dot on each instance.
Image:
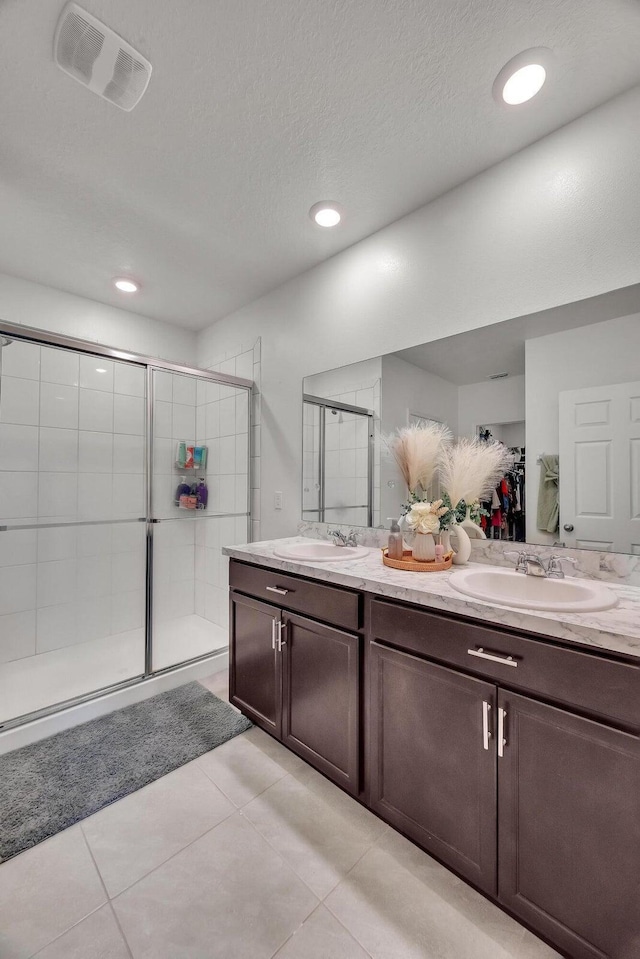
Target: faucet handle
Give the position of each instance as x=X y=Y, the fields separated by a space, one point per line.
x=558 y=560
x=554 y=568
x=521 y=559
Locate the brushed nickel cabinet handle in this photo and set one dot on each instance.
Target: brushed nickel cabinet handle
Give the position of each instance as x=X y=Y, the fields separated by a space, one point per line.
x=274 y=624
x=486 y=732
x=277 y=589
x=281 y=642
x=502 y=742
x=480 y=653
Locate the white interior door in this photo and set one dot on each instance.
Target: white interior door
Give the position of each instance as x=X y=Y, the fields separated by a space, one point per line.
x=600 y=467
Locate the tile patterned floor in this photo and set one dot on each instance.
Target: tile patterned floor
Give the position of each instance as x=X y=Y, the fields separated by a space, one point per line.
x=245 y=853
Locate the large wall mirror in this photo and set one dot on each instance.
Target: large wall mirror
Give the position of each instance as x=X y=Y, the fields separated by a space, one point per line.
x=560 y=389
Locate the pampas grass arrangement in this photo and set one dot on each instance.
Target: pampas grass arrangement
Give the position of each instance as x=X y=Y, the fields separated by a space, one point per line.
x=418 y=450
x=471 y=469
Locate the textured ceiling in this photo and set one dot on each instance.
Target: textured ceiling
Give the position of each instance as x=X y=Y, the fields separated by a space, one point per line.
x=258 y=109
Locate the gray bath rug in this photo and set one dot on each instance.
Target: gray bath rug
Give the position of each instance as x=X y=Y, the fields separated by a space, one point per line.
x=58 y=781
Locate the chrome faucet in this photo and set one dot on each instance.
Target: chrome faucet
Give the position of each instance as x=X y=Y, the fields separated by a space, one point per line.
x=533 y=565
x=343 y=539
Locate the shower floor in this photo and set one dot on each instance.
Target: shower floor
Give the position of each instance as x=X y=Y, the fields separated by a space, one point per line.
x=37 y=682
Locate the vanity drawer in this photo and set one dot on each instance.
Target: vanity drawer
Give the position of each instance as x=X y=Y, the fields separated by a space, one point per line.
x=593 y=683
x=331 y=604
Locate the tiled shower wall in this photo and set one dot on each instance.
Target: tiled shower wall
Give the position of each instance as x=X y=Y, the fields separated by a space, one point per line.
x=71 y=449
x=346 y=455
x=222 y=413
x=188 y=574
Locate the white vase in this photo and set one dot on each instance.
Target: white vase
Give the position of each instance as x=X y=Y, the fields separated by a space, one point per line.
x=474 y=531
x=445 y=540
x=424 y=547
x=461 y=544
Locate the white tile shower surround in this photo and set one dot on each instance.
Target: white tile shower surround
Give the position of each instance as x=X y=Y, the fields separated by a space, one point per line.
x=245 y=853
x=72 y=448
x=37 y=682
x=246 y=362
x=346 y=455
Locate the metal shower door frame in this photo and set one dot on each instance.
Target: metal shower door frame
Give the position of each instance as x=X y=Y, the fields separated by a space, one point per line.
x=324 y=404
x=25 y=334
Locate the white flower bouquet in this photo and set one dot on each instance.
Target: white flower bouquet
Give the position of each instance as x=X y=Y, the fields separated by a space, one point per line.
x=424 y=517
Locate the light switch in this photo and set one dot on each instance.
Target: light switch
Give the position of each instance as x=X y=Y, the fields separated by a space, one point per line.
x=277 y=499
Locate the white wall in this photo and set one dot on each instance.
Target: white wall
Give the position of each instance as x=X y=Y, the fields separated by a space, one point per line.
x=45 y=308
x=596 y=355
x=407 y=388
x=492 y=401
x=557 y=222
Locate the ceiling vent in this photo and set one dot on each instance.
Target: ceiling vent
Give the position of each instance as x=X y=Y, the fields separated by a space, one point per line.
x=497 y=376
x=98 y=58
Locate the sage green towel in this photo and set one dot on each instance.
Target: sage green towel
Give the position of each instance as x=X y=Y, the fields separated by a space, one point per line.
x=548 y=507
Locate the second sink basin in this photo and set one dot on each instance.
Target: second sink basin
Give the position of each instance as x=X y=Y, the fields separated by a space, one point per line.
x=505 y=586
x=317 y=552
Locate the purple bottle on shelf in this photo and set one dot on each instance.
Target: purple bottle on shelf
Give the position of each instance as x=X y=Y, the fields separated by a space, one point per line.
x=202 y=493
x=182 y=490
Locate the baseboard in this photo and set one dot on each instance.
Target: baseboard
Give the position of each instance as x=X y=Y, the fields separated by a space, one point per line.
x=108 y=702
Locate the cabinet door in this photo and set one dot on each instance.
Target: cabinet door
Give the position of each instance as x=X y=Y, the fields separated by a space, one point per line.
x=254 y=670
x=569 y=829
x=321 y=695
x=432 y=766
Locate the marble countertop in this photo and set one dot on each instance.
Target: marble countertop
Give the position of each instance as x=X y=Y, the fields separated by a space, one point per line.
x=616 y=629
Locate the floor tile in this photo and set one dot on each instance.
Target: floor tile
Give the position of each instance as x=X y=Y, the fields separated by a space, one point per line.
x=319 y=834
x=351 y=810
x=399 y=908
x=321 y=936
x=240 y=769
x=134 y=835
x=274 y=750
x=227 y=896
x=44 y=891
x=218 y=684
x=500 y=927
x=96 y=937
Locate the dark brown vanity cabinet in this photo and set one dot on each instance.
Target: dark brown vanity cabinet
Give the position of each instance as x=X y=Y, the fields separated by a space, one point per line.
x=430 y=774
x=533 y=802
x=297 y=678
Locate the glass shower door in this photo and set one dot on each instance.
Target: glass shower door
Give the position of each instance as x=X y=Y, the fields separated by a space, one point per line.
x=72 y=543
x=200 y=502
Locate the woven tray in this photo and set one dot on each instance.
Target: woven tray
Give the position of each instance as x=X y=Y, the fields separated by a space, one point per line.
x=417 y=566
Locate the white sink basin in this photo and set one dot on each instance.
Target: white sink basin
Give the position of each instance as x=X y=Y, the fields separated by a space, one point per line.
x=317 y=552
x=505 y=586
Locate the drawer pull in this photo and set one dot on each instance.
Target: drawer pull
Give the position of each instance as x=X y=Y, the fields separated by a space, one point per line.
x=480 y=653
x=502 y=742
x=277 y=589
x=486 y=733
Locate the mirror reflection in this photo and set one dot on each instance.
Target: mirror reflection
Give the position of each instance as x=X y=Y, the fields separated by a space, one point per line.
x=559 y=389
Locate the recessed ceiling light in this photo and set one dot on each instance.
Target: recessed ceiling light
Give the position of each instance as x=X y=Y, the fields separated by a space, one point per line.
x=524 y=84
x=522 y=77
x=125 y=286
x=326 y=213
x=100 y=369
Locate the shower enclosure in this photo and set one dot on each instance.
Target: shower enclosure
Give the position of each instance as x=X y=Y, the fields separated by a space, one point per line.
x=121 y=477
x=337 y=472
